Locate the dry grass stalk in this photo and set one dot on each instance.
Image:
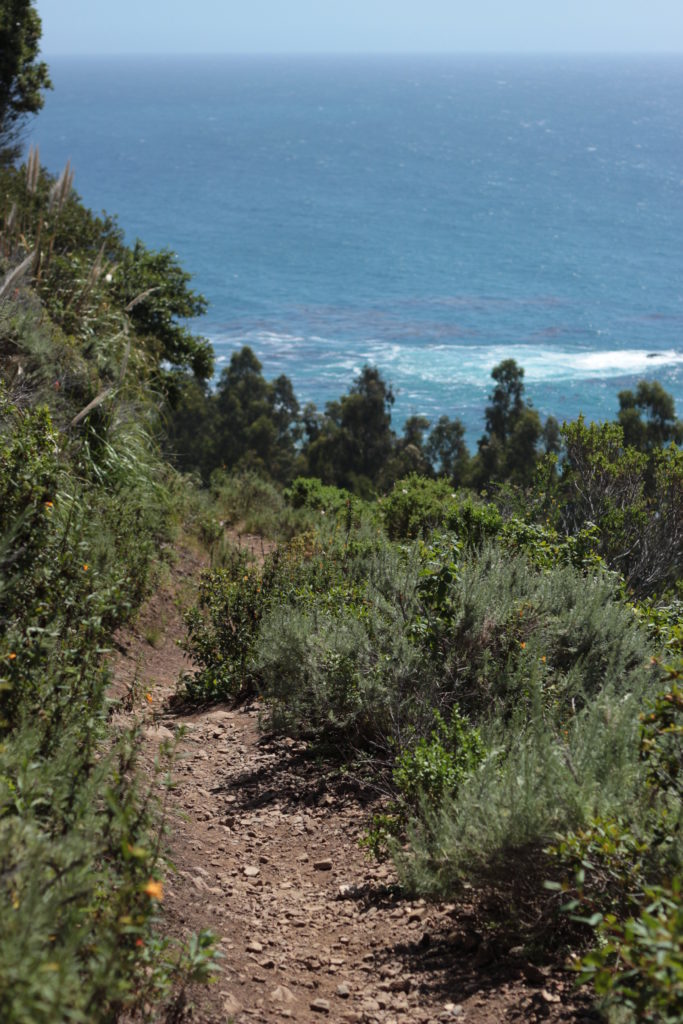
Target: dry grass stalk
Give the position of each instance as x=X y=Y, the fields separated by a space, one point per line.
x=93 y=277
x=16 y=274
x=11 y=219
x=33 y=169
x=92 y=405
x=141 y=298
x=61 y=190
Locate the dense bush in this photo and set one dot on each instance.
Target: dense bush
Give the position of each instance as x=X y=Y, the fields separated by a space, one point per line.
x=77 y=541
x=417 y=505
x=85 y=510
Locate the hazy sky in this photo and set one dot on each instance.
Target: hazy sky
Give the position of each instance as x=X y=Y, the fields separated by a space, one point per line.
x=359 y=26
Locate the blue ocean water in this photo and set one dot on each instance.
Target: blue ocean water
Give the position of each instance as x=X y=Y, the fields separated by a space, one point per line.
x=431 y=216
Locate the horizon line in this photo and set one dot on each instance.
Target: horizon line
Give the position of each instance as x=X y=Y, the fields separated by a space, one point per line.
x=47 y=55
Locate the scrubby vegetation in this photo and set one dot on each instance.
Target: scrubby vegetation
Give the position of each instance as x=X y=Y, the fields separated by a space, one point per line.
x=506 y=668
x=506 y=657
x=496 y=634
x=87 y=507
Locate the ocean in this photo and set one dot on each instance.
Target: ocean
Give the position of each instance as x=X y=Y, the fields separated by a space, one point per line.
x=428 y=215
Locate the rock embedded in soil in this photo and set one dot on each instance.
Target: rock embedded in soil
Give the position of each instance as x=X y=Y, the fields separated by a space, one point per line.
x=231 y=1005
x=322 y=865
x=282 y=995
x=320 y=1006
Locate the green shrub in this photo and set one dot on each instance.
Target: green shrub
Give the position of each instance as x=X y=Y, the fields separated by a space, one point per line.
x=494 y=624
x=436 y=766
x=319 y=630
x=537 y=780
x=661 y=739
x=417 y=506
x=81 y=523
x=221 y=630
x=637 y=969
x=309 y=492
x=253 y=504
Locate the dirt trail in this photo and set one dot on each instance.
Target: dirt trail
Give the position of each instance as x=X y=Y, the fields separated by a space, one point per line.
x=265 y=845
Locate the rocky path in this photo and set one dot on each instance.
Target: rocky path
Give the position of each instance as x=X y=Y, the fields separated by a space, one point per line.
x=264 y=840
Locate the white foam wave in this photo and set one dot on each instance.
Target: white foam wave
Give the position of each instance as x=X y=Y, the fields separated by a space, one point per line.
x=466 y=364
x=439 y=363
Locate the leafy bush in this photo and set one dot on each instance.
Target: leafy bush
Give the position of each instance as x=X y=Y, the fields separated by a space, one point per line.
x=417 y=506
x=637 y=969
x=538 y=779
x=435 y=767
x=634 y=499
x=661 y=740
x=81 y=523
x=253 y=504
x=221 y=630
x=494 y=625
x=319 y=629
x=620 y=866
x=309 y=492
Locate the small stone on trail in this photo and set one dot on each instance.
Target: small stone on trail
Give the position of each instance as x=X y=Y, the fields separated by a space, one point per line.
x=320 y=1006
x=158 y=733
x=534 y=974
x=343 y=991
x=282 y=994
x=323 y=865
x=549 y=997
x=251 y=871
x=254 y=947
x=231 y=1006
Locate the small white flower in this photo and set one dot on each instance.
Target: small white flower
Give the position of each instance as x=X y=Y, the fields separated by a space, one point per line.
x=403 y=490
x=109 y=278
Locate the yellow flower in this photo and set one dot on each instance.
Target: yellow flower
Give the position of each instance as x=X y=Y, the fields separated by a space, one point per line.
x=48 y=505
x=85 y=568
x=543 y=658
x=154 y=890
x=148 y=697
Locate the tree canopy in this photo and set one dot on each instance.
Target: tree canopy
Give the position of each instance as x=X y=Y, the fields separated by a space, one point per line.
x=23 y=76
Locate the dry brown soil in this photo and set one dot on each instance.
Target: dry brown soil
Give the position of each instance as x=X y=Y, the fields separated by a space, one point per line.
x=264 y=840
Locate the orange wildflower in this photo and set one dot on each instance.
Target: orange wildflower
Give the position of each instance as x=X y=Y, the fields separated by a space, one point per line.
x=12 y=656
x=154 y=890
x=522 y=645
x=148 y=698
x=85 y=568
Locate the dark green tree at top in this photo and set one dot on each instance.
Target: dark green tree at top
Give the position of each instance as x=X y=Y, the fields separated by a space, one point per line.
x=256 y=423
x=507 y=399
x=353 y=441
x=23 y=77
x=509 y=448
x=648 y=417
